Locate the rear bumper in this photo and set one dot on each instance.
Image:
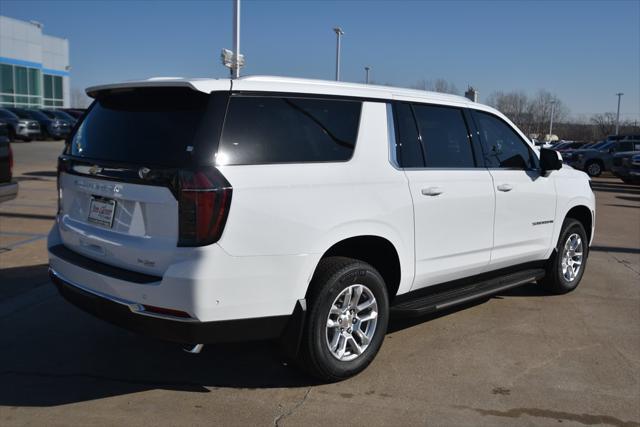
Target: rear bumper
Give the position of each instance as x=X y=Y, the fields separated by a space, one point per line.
x=128 y=315
x=8 y=191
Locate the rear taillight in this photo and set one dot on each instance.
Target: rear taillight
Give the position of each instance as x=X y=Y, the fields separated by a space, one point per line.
x=204 y=198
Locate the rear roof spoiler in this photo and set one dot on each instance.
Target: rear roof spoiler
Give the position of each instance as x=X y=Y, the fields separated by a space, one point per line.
x=202 y=85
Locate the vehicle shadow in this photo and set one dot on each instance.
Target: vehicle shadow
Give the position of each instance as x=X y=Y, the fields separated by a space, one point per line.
x=67 y=356
x=55 y=354
x=611 y=187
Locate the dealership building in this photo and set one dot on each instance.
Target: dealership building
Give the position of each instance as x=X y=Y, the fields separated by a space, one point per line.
x=34 y=67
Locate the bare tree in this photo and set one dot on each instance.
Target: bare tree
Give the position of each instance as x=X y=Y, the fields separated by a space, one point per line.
x=605 y=124
x=443 y=86
x=438 y=85
x=540 y=111
x=514 y=105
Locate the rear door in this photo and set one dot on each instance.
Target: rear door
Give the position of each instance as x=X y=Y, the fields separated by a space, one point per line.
x=453 y=198
x=119 y=174
x=525 y=199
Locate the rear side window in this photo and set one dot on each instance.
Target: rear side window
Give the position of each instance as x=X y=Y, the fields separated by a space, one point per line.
x=151 y=126
x=444 y=136
x=502 y=146
x=261 y=130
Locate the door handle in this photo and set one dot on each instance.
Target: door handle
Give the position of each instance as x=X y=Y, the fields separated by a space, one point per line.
x=505 y=187
x=432 y=191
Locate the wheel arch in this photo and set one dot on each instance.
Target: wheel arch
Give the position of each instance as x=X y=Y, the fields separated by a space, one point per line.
x=584 y=215
x=376 y=250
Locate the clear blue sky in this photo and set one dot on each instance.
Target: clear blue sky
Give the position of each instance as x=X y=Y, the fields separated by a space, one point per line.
x=583 y=51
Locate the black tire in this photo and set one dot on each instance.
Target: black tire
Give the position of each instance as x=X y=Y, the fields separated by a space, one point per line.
x=593 y=168
x=333 y=276
x=555 y=280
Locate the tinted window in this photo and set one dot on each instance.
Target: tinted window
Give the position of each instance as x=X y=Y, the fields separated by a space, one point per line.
x=37 y=115
x=148 y=126
x=7 y=114
x=502 y=146
x=260 y=130
x=603 y=146
x=444 y=136
x=409 y=150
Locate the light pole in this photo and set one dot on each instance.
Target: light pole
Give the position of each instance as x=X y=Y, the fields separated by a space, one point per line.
x=619 y=94
x=234 y=60
x=366 y=70
x=339 y=34
x=236 y=39
x=553 y=106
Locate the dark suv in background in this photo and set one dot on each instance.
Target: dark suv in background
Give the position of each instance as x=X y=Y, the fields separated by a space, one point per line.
x=49 y=127
x=599 y=157
x=61 y=115
x=19 y=128
x=8 y=188
x=626 y=166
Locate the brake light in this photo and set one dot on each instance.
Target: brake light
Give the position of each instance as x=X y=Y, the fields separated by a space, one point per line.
x=204 y=202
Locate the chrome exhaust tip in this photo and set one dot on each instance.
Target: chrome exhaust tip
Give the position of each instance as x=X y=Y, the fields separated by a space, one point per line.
x=196 y=349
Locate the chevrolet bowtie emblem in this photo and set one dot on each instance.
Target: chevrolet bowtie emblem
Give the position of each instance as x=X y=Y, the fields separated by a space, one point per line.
x=95 y=169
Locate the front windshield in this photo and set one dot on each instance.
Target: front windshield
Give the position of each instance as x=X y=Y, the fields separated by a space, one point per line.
x=600 y=145
x=21 y=114
x=37 y=115
x=63 y=116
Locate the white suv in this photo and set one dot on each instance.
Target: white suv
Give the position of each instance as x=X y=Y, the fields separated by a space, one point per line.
x=203 y=211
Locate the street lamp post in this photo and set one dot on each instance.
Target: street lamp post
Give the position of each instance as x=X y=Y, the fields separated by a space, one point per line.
x=339 y=34
x=234 y=60
x=366 y=70
x=619 y=94
x=553 y=107
x=236 y=39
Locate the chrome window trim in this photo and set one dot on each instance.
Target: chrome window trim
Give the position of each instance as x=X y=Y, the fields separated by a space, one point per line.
x=391 y=138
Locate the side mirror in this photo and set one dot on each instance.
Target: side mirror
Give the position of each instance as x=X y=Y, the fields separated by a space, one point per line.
x=550 y=160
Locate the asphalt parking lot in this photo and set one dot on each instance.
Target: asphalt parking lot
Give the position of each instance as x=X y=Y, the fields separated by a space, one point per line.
x=522 y=357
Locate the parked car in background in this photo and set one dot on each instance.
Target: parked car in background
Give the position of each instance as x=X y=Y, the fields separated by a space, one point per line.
x=49 y=128
x=629 y=137
x=8 y=187
x=568 y=145
x=626 y=166
x=59 y=114
x=599 y=157
x=20 y=128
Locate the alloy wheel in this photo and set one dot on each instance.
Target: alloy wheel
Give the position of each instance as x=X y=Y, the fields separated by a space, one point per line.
x=572 y=257
x=351 y=323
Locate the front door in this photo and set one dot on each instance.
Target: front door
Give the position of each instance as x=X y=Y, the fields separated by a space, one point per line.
x=525 y=199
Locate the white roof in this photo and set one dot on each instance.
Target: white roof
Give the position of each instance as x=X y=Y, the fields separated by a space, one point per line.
x=310 y=86
x=290 y=85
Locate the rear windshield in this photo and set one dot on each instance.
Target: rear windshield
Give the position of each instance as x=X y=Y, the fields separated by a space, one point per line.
x=151 y=126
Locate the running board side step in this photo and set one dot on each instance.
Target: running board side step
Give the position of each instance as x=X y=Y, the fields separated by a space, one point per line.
x=430 y=303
